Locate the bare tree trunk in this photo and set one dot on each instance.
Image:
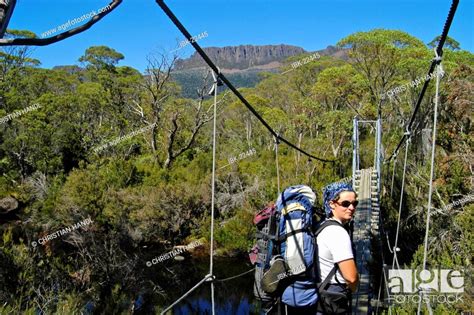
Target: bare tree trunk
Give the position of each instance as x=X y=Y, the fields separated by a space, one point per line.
x=201 y=117
x=171 y=138
x=298 y=153
x=248 y=129
x=335 y=149
x=154 y=132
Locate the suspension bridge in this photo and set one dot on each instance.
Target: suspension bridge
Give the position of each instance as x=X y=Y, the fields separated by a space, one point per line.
x=367 y=184
x=366 y=179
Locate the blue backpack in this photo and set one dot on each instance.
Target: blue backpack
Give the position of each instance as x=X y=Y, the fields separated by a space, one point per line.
x=284 y=254
x=295 y=206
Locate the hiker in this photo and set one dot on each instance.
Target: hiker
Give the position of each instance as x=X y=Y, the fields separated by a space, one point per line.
x=334 y=246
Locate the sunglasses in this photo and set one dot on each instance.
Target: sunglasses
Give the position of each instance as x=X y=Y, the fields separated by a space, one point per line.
x=347 y=203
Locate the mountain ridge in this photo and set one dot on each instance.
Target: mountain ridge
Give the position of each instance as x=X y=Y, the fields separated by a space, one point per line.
x=240 y=57
x=242 y=64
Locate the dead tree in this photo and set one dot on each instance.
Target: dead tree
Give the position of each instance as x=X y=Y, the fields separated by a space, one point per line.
x=159 y=88
x=200 y=116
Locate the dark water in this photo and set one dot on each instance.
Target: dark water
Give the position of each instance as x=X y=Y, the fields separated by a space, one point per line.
x=232 y=304
x=234 y=296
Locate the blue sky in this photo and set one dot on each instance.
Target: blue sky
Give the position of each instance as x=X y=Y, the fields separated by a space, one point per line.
x=138 y=27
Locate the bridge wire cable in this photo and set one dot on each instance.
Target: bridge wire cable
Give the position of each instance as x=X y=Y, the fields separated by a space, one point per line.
x=388 y=294
x=209 y=277
x=388 y=243
x=236 y=276
x=51 y=40
x=378 y=295
x=400 y=205
x=277 y=164
x=206 y=278
x=384 y=264
x=7 y=7
x=209 y=62
x=213 y=192
x=439 y=73
x=434 y=63
x=393 y=176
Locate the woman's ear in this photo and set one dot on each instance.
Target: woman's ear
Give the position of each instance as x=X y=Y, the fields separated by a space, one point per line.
x=332 y=205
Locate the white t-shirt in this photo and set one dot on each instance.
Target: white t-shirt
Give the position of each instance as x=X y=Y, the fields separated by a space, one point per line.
x=334 y=245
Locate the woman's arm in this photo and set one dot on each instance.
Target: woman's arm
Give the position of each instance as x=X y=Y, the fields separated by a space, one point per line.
x=349 y=273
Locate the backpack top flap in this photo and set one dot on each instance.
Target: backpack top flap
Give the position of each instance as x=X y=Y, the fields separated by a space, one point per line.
x=301 y=194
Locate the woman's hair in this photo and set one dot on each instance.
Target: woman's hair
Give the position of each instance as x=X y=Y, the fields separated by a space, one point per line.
x=332 y=192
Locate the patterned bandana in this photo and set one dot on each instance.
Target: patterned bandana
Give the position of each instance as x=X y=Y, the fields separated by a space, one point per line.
x=331 y=191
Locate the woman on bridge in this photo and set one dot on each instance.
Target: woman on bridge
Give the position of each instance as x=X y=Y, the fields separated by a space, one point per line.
x=337 y=267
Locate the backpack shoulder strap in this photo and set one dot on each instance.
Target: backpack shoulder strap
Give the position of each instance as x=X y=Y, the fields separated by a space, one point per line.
x=324 y=225
x=328 y=278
